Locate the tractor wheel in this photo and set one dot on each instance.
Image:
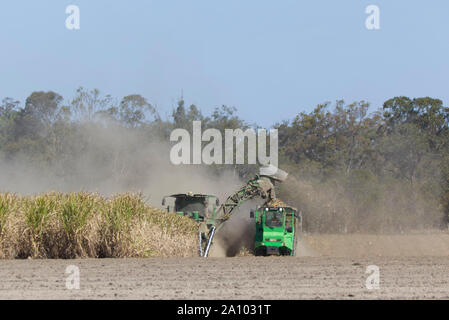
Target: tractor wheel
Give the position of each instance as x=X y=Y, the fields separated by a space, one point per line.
x=260 y=251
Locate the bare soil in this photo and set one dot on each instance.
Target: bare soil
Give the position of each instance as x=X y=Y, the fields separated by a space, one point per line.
x=324 y=271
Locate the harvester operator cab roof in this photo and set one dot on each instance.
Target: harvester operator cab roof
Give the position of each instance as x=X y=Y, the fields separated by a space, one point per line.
x=190 y=203
x=274 y=216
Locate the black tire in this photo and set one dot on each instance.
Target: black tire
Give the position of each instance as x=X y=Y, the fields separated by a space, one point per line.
x=260 y=251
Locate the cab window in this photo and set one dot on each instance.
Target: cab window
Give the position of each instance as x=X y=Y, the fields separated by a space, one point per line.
x=273 y=219
x=190 y=204
x=288 y=220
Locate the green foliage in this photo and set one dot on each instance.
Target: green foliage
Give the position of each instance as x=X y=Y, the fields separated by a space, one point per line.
x=121 y=210
x=37 y=211
x=76 y=209
x=341 y=140
x=134 y=110
x=7 y=205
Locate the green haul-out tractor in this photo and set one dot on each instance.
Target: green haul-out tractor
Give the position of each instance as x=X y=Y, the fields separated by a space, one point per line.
x=277 y=230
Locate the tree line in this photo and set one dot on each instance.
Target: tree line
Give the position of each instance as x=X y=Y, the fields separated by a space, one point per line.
x=351 y=168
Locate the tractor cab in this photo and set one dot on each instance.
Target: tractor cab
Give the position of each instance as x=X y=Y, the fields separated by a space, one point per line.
x=199 y=207
x=277 y=230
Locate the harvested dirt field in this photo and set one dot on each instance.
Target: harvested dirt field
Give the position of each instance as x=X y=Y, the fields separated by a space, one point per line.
x=316 y=274
x=226 y=278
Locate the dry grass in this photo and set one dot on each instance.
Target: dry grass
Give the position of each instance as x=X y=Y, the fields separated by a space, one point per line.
x=245 y=252
x=81 y=225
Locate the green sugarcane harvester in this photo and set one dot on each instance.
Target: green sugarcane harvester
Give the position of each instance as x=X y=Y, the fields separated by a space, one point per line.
x=210 y=216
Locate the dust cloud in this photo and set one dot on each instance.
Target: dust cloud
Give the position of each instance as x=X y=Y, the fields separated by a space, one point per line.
x=112 y=159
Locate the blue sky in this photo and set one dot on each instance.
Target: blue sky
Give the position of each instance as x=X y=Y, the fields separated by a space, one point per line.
x=270 y=59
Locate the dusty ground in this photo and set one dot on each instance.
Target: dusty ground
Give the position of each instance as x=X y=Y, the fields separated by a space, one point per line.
x=331 y=267
x=227 y=278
